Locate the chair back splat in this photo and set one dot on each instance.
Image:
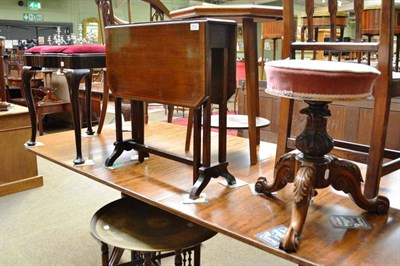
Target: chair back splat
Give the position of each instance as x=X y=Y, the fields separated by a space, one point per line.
x=386 y=27
x=158 y=12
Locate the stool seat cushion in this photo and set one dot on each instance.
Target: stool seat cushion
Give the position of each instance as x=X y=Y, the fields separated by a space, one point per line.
x=130 y=224
x=68 y=49
x=320 y=80
x=85 y=48
x=47 y=49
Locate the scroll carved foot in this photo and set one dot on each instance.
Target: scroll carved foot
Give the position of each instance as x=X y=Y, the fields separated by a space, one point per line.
x=302 y=192
x=284 y=173
x=346 y=176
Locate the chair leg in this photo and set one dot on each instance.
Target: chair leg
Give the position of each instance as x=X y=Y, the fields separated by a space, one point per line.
x=104 y=104
x=170 y=113
x=104 y=254
x=197 y=255
x=115 y=256
x=146 y=113
x=189 y=130
x=285 y=124
x=178 y=257
x=377 y=143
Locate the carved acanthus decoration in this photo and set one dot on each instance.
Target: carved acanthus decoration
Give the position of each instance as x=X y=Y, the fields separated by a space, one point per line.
x=303 y=183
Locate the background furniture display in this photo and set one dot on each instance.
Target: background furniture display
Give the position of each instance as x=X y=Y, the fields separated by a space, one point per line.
x=15 y=127
x=272 y=30
x=203 y=51
x=2 y=77
x=370 y=27
x=22 y=31
x=323 y=21
x=148 y=232
x=386 y=87
x=44 y=108
x=248 y=16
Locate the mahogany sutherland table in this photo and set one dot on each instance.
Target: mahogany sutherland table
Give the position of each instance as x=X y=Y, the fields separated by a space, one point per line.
x=237 y=212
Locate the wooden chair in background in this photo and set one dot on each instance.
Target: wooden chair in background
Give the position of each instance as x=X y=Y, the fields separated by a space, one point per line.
x=2 y=76
x=386 y=87
x=158 y=11
x=272 y=30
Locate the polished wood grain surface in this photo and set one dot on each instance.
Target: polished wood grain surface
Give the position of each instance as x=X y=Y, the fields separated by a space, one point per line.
x=237 y=212
x=170 y=62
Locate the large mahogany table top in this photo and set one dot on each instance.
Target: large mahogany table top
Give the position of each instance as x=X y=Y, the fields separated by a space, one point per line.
x=237 y=212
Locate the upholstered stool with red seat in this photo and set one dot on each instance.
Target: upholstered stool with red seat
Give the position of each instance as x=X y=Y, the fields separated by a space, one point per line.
x=77 y=62
x=311 y=167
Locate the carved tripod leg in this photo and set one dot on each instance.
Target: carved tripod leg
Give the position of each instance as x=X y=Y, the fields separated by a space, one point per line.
x=284 y=173
x=346 y=176
x=303 y=191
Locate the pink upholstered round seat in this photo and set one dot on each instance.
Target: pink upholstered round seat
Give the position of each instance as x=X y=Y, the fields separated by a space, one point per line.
x=320 y=80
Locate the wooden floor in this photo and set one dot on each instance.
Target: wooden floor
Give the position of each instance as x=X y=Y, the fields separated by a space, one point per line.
x=237 y=212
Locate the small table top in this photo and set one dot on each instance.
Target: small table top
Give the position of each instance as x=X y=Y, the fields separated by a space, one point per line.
x=234 y=12
x=134 y=225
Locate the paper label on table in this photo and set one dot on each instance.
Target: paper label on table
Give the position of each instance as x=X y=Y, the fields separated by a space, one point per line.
x=273 y=236
x=126 y=128
x=86 y=135
x=194 y=26
x=87 y=162
x=349 y=222
x=135 y=157
x=239 y=183
x=115 y=166
x=201 y=199
x=37 y=144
